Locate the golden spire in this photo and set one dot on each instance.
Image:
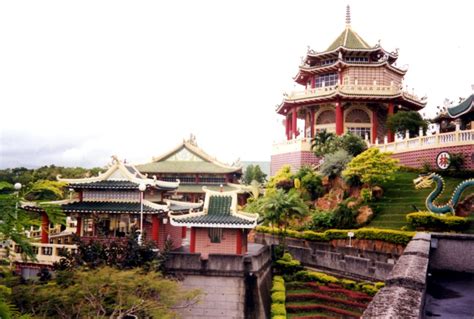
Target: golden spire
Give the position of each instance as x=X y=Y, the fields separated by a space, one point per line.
x=348 y=16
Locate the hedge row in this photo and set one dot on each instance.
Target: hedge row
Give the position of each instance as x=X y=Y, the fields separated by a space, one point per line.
x=387 y=235
x=278 y=308
x=431 y=221
x=314 y=276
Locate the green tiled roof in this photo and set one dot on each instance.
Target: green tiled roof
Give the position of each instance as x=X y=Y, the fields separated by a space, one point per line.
x=218 y=212
x=348 y=39
x=185 y=167
x=107 y=207
x=215 y=219
x=466 y=106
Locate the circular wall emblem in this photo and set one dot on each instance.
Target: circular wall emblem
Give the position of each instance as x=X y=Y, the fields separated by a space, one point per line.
x=443 y=160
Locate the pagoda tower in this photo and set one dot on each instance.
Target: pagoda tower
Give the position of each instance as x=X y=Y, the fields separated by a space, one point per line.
x=349 y=87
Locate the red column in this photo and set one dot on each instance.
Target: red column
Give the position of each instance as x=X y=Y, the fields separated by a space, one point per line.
x=390 y=136
x=294 y=123
x=339 y=119
x=44 y=228
x=79 y=225
x=192 y=244
x=155 y=228
x=312 y=123
x=287 y=127
x=374 y=126
x=239 y=242
x=183 y=232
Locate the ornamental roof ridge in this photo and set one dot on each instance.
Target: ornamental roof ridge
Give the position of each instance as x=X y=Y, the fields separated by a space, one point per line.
x=192 y=146
x=462 y=108
x=128 y=171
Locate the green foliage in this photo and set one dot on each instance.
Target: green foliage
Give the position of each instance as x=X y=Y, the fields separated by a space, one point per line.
x=287 y=265
x=283 y=174
x=305 y=275
x=254 y=173
x=335 y=163
x=104 y=293
x=387 y=235
x=402 y=121
x=456 y=161
x=324 y=143
x=6 y=187
x=279 y=208
x=322 y=220
x=353 y=144
x=46 y=190
x=344 y=217
x=311 y=182
x=119 y=254
x=372 y=167
x=436 y=222
x=278 y=309
x=278 y=297
x=366 y=195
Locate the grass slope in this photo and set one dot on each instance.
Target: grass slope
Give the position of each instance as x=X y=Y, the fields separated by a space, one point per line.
x=400 y=196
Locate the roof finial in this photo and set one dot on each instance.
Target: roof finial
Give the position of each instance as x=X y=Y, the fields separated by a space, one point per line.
x=348 y=15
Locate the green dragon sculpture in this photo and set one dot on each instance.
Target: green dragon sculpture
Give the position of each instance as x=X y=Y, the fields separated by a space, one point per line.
x=425 y=181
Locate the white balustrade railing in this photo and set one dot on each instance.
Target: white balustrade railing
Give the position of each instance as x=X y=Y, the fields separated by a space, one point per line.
x=432 y=141
x=374 y=89
x=45 y=254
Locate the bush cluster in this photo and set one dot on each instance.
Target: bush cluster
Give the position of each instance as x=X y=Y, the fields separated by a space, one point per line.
x=431 y=221
x=287 y=265
x=278 y=309
x=387 y=235
x=366 y=287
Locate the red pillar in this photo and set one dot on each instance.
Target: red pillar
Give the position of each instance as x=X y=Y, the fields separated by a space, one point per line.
x=287 y=127
x=390 y=136
x=155 y=228
x=374 y=126
x=239 y=242
x=294 y=124
x=312 y=123
x=192 y=244
x=339 y=119
x=79 y=225
x=183 y=232
x=44 y=228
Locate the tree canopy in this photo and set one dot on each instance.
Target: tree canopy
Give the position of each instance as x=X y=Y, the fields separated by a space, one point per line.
x=254 y=173
x=402 y=121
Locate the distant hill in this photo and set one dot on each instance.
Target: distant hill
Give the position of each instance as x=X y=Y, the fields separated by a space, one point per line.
x=264 y=166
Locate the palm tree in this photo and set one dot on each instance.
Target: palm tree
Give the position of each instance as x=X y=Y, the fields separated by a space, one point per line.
x=280 y=207
x=323 y=142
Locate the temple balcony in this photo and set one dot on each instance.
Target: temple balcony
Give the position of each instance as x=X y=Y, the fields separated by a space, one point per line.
x=350 y=89
x=457 y=138
x=290 y=146
x=45 y=254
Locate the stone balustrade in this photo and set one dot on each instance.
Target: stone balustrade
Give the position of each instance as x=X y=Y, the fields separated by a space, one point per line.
x=45 y=254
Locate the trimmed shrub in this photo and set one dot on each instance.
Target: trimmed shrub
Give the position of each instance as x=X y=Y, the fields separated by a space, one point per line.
x=348 y=284
x=431 y=221
x=322 y=220
x=278 y=309
x=287 y=265
x=305 y=275
x=278 y=297
x=387 y=235
x=278 y=286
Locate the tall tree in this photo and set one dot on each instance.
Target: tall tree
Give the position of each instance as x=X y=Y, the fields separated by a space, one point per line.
x=403 y=121
x=254 y=173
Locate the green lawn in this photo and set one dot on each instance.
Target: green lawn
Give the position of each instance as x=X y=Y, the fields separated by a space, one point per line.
x=400 y=196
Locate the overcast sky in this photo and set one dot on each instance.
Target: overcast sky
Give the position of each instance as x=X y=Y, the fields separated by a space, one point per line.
x=83 y=80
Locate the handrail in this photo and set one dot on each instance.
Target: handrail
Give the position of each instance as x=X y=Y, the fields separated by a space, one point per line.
x=45 y=253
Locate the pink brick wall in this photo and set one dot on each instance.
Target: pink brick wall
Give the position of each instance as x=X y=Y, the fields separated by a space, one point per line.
x=417 y=158
x=295 y=159
x=228 y=244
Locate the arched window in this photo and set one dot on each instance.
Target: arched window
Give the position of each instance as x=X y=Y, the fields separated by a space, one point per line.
x=326 y=117
x=357 y=121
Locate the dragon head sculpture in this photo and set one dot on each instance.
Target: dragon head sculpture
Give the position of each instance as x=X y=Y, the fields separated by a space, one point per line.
x=423 y=181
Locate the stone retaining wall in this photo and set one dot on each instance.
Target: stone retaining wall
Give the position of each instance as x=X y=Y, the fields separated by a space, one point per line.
x=404 y=292
x=362 y=260
x=234 y=286
x=452 y=252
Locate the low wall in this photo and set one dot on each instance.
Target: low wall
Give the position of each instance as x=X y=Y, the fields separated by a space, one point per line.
x=234 y=286
x=404 y=292
x=364 y=259
x=453 y=252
